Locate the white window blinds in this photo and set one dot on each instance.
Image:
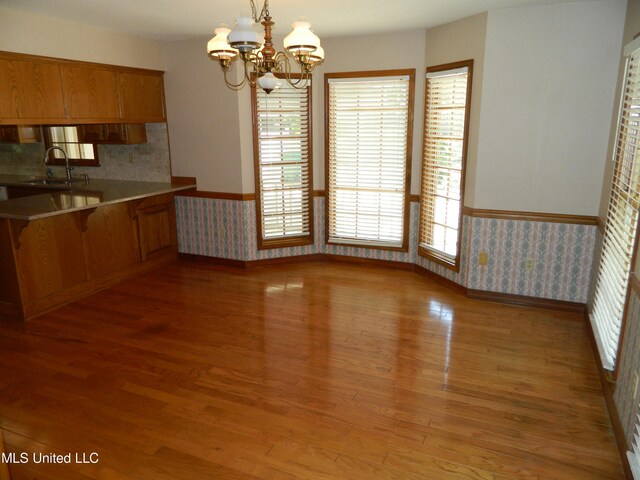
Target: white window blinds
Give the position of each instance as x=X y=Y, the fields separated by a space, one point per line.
x=283 y=163
x=622 y=217
x=634 y=454
x=447 y=103
x=368 y=142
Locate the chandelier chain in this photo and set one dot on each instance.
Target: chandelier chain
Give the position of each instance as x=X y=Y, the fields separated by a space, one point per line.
x=263 y=13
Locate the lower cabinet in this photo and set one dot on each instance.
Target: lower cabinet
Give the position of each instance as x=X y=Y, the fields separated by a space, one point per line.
x=48 y=262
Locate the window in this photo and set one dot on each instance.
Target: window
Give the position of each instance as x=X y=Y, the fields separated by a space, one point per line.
x=368 y=157
x=282 y=153
x=446 y=127
x=633 y=455
x=66 y=137
x=614 y=268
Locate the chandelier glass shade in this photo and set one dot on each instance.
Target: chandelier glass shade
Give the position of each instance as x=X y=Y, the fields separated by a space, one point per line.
x=262 y=64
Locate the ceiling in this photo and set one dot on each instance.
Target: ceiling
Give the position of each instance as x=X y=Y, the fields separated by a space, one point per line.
x=183 y=19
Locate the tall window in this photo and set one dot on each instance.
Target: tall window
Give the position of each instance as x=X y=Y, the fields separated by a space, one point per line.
x=446 y=127
x=282 y=152
x=615 y=263
x=368 y=157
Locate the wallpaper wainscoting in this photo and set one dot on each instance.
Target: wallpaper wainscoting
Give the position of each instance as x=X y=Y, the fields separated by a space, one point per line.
x=629 y=363
x=562 y=253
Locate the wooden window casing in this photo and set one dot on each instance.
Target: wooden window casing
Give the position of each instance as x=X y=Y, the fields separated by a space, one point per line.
x=445 y=140
x=368 y=138
x=66 y=136
x=282 y=148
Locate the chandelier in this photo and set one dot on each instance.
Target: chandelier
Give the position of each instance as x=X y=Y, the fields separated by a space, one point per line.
x=261 y=61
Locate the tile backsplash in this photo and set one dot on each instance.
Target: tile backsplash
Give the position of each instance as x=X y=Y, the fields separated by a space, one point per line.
x=147 y=161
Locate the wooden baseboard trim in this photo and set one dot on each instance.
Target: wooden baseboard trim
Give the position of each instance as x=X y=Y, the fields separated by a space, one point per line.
x=526 y=301
x=440 y=279
x=607 y=383
x=477 y=294
x=230 y=262
x=362 y=260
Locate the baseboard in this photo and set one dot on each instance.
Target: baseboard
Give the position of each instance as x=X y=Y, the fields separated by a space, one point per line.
x=230 y=262
x=607 y=382
x=440 y=279
x=526 y=301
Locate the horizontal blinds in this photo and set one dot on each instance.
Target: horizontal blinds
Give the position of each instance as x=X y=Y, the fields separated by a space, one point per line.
x=634 y=454
x=282 y=122
x=444 y=137
x=368 y=128
x=620 y=229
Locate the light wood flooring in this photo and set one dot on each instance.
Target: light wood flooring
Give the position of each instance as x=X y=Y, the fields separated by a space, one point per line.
x=313 y=370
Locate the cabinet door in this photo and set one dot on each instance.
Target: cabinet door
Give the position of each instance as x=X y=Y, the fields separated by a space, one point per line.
x=38 y=90
x=110 y=240
x=113 y=133
x=157 y=228
x=91 y=93
x=8 y=92
x=142 y=97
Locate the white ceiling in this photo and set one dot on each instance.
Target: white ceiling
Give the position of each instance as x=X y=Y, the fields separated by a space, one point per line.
x=183 y=19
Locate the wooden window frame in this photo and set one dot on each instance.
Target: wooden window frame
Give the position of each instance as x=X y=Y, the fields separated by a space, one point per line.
x=79 y=162
x=290 y=241
x=436 y=256
x=411 y=73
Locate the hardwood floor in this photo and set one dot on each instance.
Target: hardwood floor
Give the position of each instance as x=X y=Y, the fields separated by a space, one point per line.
x=317 y=370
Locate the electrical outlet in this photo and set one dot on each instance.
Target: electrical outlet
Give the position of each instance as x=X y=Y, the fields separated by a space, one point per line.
x=529 y=264
x=483 y=259
x=635 y=385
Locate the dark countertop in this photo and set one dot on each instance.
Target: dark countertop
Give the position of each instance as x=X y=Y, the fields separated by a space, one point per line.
x=78 y=196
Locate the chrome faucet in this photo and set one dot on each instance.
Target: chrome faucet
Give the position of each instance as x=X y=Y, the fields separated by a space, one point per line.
x=66 y=160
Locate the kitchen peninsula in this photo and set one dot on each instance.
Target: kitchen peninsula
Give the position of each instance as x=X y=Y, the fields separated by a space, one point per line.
x=67 y=241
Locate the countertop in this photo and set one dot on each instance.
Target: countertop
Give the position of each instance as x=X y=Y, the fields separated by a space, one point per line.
x=78 y=196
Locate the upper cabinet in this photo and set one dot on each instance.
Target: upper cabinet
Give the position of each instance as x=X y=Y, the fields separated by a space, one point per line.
x=91 y=93
x=142 y=97
x=30 y=91
x=52 y=91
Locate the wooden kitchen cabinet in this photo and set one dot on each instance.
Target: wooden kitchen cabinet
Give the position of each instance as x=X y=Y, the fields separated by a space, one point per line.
x=113 y=133
x=20 y=134
x=50 y=261
x=142 y=97
x=31 y=91
x=91 y=93
x=50 y=91
x=156 y=227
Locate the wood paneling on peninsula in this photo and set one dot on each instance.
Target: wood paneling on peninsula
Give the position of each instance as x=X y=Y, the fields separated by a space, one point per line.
x=61 y=258
x=50 y=91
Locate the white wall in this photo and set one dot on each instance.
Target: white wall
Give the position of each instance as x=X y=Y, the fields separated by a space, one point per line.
x=203 y=119
x=548 y=86
x=399 y=50
x=26 y=32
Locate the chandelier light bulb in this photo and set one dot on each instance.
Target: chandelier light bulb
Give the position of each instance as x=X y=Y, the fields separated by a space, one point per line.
x=218 y=47
x=301 y=40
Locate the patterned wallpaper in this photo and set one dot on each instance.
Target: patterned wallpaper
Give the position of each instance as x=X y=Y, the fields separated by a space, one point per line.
x=562 y=253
